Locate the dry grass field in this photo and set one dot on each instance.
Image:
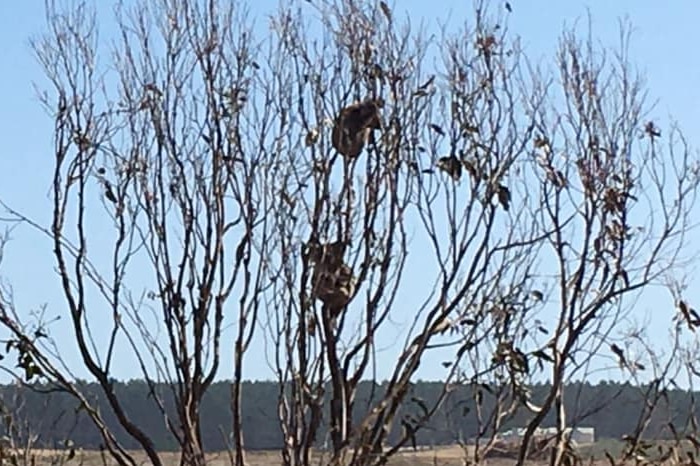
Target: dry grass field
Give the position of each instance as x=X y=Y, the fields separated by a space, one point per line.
x=442 y=456
x=447 y=456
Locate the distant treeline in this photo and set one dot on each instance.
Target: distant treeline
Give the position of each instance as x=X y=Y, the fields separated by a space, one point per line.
x=612 y=408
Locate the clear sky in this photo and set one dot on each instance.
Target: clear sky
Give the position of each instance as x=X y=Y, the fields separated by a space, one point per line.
x=662 y=47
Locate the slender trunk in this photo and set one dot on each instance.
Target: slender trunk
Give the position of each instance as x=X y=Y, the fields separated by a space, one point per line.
x=192 y=449
x=338 y=414
x=561 y=439
x=237 y=422
x=192 y=455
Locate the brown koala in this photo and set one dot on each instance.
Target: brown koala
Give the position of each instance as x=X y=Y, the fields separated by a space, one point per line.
x=333 y=282
x=329 y=254
x=354 y=125
x=334 y=287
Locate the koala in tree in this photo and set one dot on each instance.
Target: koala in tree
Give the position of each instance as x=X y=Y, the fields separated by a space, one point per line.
x=333 y=281
x=329 y=254
x=354 y=125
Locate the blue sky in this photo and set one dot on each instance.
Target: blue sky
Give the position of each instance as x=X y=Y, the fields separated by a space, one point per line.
x=661 y=48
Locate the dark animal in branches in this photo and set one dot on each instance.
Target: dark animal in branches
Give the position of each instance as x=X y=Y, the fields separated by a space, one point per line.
x=354 y=125
x=329 y=254
x=333 y=281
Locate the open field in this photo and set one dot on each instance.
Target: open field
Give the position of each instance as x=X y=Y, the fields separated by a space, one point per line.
x=443 y=456
x=440 y=456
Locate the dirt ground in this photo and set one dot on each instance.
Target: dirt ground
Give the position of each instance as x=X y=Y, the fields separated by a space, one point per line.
x=442 y=456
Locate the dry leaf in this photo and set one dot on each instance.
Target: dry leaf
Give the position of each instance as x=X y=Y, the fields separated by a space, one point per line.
x=437 y=129
x=470 y=166
x=504 y=197
x=541 y=142
x=451 y=165
x=311 y=137
x=426 y=84
x=385 y=10
x=651 y=130
x=109 y=194
x=619 y=353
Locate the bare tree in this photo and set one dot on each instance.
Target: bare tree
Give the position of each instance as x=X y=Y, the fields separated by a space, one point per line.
x=162 y=140
x=536 y=200
x=619 y=204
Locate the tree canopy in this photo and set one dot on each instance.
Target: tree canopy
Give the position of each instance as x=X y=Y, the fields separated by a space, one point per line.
x=317 y=187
